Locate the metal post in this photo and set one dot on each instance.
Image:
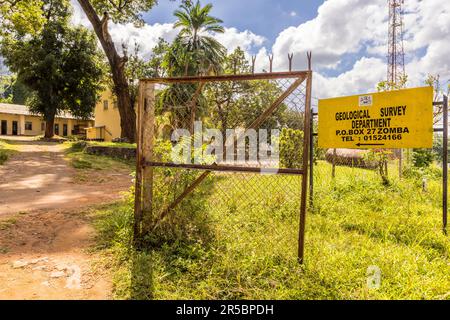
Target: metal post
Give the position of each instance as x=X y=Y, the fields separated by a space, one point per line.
x=147 y=145
x=139 y=161
x=445 y=165
x=311 y=160
x=302 y=222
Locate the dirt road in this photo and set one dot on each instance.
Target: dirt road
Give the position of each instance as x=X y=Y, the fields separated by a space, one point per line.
x=39 y=178
x=45 y=234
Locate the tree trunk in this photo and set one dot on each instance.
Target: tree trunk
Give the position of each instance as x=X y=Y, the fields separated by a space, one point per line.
x=49 y=126
x=117 y=64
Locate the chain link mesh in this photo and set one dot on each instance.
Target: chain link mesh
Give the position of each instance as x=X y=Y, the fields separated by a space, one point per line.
x=233 y=202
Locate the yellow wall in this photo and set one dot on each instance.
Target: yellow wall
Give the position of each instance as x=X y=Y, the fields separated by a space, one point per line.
x=109 y=119
x=36 y=123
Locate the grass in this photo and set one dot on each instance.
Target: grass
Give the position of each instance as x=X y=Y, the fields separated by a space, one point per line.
x=113 y=144
x=250 y=250
x=7 y=149
x=7 y=223
x=83 y=161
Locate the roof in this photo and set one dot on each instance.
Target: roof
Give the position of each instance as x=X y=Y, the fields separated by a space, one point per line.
x=24 y=110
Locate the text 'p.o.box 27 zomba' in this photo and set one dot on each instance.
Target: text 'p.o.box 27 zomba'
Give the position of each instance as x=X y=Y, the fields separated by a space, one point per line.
x=393 y=119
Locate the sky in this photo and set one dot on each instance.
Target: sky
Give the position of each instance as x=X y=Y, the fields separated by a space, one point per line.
x=348 y=38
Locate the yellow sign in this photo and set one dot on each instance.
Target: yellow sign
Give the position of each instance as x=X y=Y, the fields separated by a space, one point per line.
x=393 y=119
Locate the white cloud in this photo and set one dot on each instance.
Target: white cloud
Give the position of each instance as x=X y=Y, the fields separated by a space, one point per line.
x=341 y=27
x=363 y=77
x=233 y=38
x=148 y=35
x=128 y=34
x=358 y=29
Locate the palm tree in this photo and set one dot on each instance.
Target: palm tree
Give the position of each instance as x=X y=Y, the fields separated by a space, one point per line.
x=193 y=52
x=195 y=37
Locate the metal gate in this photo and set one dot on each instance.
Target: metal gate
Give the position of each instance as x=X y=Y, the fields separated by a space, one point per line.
x=183 y=168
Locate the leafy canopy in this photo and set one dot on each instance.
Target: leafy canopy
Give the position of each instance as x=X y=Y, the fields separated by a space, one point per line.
x=60 y=64
x=124 y=11
x=21 y=16
x=195 y=50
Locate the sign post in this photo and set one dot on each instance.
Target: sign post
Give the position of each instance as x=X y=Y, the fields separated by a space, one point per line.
x=393 y=119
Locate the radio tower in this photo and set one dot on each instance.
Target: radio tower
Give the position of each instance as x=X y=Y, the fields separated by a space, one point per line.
x=396 y=74
x=396 y=54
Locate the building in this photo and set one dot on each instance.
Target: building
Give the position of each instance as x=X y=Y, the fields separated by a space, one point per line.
x=17 y=120
x=107 y=119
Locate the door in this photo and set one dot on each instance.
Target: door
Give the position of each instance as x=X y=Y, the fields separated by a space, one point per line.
x=4 y=131
x=15 y=128
x=57 y=129
x=65 y=130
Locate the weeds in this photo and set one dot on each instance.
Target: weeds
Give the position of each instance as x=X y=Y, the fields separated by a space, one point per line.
x=247 y=250
x=6 y=150
x=83 y=161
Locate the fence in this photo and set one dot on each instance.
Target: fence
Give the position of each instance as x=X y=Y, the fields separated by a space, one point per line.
x=196 y=166
x=328 y=164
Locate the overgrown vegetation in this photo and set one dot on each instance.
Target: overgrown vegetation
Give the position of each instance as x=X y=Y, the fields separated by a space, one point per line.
x=291 y=148
x=81 y=160
x=245 y=247
x=6 y=150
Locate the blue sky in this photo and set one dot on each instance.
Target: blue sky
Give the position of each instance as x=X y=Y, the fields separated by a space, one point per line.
x=263 y=17
x=348 y=38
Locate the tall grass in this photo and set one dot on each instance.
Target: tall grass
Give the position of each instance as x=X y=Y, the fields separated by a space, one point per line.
x=355 y=223
x=6 y=150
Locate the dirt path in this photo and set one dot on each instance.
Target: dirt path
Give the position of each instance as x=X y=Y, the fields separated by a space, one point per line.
x=39 y=178
x=44 y=234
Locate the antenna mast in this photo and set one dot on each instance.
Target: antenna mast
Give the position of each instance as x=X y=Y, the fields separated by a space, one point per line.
x=396 y=54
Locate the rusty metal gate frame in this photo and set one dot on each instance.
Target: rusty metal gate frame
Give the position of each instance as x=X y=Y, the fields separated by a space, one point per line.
x=143 y=217
x=444 y=105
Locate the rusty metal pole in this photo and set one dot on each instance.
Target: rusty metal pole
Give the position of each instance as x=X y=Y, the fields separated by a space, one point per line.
x=311 y=161
x=301 y=233
x=445 y=165
x=147 y=146
x=138 y=178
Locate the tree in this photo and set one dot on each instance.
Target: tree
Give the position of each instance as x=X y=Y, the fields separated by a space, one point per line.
x=61 y=65
x=13 y=91
x=225 y=96
x=199 y=49
x=193 y=52
x=388 y=86
x=20 y=16
x=435 y=82
x=118 y=11
x=422 y=158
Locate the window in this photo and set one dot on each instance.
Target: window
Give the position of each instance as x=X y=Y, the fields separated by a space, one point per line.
x=105 y=104
x=42 y=126
x=115 y=105
x=29 y=125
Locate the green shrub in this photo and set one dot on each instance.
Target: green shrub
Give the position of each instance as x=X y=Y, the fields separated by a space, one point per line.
x=431 y=172
x=3 y=157
x=78 y=146
x=187 y=222
x=291 y=148
x=422 y=158
x=79 y=163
